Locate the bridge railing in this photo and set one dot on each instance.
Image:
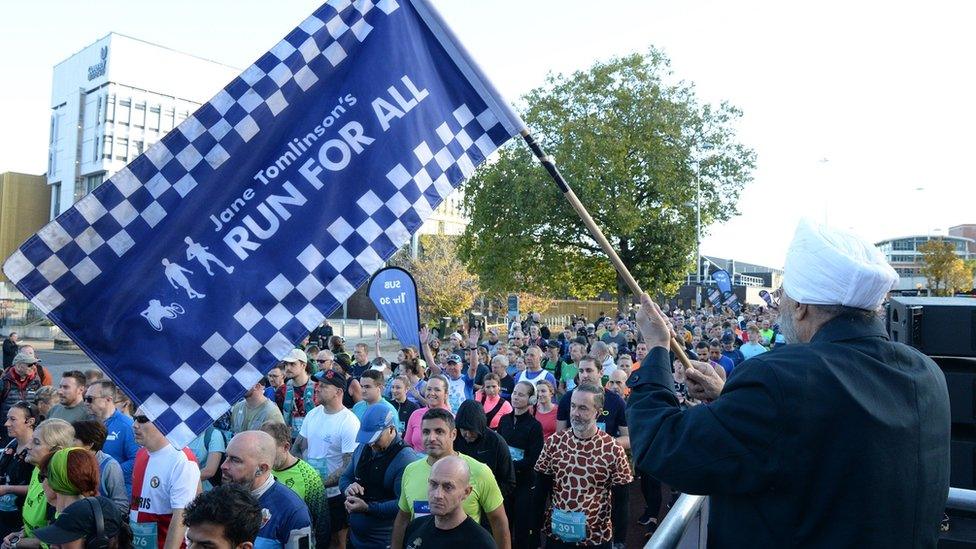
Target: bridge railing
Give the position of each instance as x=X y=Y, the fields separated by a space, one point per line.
x=686 y=525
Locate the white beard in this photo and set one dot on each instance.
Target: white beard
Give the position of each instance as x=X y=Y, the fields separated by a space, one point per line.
x=787 y=327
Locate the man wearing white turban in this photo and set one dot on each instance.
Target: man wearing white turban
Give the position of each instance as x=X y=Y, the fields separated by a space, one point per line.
x=838 y=439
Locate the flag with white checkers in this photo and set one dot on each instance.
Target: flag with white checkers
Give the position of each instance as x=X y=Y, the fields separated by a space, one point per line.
x=194 y=269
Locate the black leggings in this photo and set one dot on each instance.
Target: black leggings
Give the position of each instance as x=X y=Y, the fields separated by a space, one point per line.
x=620 y=512
x=523 y=519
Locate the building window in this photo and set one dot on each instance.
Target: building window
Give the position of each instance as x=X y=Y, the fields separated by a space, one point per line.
x=110 y=108
x=903 y=258
x=98 y=111
x=93 y=181
x=168 y=117
x=107 y=148
x=55 y=199
x=153 y=122
x=903 y=244
x=95 y=150
x=54 y=128
x=125 y=111
x=139 y=116
x=122 y=149
x=137 y=147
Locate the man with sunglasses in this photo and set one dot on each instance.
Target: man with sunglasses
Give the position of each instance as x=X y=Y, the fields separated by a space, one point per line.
x=18 y=383
x=164 y=481
x=120 y=442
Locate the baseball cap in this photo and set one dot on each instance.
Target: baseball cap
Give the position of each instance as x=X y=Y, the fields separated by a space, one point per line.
x=295 y=355
x=25 y=358
x=77 y=521
x=376 y=418
x=331 y=377
x=454 y=358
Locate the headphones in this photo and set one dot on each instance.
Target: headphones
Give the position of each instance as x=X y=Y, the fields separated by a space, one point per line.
x=100 y=541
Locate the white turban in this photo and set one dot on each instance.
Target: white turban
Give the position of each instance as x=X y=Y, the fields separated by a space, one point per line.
x=825 y=266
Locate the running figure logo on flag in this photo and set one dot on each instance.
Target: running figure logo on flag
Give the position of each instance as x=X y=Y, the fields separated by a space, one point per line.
x=199 y=265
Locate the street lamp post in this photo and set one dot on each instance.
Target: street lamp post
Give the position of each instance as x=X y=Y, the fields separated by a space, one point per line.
x=698 y=260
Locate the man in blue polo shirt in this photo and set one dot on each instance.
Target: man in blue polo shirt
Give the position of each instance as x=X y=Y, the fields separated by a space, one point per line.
x=120 y=443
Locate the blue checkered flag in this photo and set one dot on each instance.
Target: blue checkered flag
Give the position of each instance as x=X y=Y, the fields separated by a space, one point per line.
x=198 y=266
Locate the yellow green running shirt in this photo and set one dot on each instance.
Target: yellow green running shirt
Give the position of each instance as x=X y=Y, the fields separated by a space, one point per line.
x=305 y=481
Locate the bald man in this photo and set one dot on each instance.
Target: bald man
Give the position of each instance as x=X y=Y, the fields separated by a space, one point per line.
x=448 y=525
x=250 y=456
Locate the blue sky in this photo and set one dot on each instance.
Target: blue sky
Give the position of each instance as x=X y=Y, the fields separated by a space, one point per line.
x=884 y=91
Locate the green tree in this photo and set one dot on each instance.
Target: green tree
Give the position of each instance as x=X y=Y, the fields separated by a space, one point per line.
x=444 y=286
x=945 y=272
x=635 y=148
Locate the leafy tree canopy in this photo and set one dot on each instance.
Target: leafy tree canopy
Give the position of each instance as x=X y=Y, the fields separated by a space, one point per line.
x=633 y=147
x=444 y=286
x=945 y=272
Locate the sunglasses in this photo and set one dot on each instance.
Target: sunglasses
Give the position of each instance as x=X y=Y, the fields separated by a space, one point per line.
x=141 y=419
x=89 y=400
x=322 y=361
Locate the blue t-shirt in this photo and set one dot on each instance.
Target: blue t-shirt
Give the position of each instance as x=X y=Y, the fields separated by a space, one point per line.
x=727 y=364
x=735 y=356
x=120 y=443
x=360 y=408
x=479 y=378
x=288 y=525
x=610 y=421
x=216 y=444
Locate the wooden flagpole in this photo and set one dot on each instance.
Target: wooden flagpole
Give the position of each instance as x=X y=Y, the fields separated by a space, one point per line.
x=550 y=166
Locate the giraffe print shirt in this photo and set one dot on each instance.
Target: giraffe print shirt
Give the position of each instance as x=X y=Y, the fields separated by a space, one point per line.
x=583 y=472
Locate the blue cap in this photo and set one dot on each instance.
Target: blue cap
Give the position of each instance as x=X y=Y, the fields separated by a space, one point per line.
x=376 y=418
x=455 y=359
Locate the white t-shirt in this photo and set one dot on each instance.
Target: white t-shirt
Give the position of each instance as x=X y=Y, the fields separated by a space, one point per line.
x=535 y=377
x=329 y=436
x=169 y=481
x=455 y=393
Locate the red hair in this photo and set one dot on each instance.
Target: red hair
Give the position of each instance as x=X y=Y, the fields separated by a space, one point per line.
x=83 y=472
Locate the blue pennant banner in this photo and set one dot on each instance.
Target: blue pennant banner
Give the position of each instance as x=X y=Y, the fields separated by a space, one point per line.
x=394 y=293
x=723 y=281
x=715 y=297
x=194 y=269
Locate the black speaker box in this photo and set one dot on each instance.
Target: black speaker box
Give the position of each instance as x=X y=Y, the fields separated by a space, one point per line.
x=944 y=326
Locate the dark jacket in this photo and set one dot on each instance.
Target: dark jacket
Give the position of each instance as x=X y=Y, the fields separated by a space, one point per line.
x=9 y=352
x=841 y=442
x=523 y=432
x=489 y=448
x=374 y=527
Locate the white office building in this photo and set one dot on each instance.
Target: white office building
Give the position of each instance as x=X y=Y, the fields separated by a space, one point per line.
x=118 y=96
x=111 y=101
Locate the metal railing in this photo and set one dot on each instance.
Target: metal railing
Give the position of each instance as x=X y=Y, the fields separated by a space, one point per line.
x=959 y=498
x=685 y=526
x=737 y=280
